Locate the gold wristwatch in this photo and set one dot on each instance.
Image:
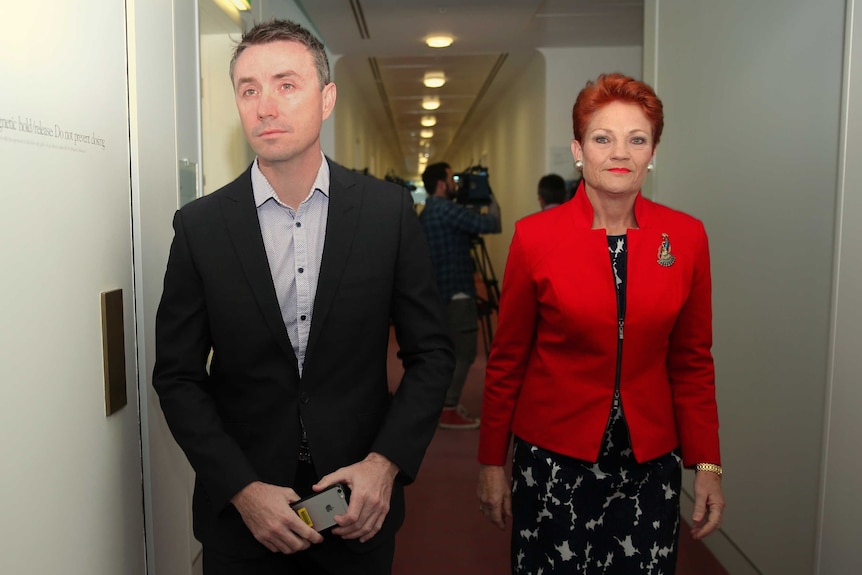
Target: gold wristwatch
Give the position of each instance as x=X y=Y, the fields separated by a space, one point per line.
x=709 y=467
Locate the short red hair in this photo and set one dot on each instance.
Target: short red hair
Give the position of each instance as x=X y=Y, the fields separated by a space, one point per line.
x=616 y=88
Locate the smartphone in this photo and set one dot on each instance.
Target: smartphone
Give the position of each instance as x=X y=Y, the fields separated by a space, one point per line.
x=318 y=510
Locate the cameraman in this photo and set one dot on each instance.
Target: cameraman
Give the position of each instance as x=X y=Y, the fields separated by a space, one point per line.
x=450 y=229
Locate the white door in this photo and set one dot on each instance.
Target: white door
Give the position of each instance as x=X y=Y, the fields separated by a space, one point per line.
x=70 y=476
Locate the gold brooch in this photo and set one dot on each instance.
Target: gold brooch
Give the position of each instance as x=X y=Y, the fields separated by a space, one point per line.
x=665 y=258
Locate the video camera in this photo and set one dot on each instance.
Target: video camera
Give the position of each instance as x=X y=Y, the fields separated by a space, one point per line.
x=473 y=187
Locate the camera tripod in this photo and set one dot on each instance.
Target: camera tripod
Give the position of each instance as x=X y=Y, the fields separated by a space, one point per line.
x=489 y=304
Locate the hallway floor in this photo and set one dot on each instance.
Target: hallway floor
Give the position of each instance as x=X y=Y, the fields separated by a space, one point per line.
x=444 y=533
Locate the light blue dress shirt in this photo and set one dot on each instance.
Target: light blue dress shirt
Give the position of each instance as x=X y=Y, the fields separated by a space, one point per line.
x=294 y=248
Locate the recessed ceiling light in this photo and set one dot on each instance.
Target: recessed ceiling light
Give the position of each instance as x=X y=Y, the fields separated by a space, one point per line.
x=426 y=133
x=428 y=121
x=439 y=41
x=434 y=79
x=430 y=102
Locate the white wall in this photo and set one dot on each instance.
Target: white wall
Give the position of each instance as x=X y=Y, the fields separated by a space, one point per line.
x=507 y=140
x=841 y=533
x=752 y=93
x=162 y=79
x=70 y=476
x=225 y=151
x=361 y=143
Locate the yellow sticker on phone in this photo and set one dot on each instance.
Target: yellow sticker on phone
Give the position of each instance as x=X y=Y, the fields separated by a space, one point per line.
x=303 y=514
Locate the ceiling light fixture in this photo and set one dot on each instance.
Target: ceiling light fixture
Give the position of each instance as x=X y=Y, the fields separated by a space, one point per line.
x=426 y=133
x=439 y=41
x=241 y=5
x=430 y=102
x=434 y=79
x=428 y=121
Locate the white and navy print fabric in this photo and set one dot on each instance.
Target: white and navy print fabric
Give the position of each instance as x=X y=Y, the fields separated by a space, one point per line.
x=612 y=517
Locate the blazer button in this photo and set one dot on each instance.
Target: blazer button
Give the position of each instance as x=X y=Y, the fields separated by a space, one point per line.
x=303 y=398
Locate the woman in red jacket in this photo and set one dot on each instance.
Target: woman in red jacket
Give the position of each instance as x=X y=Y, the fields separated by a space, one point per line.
x=601 y=365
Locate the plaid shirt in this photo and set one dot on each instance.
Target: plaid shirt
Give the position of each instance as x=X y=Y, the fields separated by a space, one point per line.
x=449 y=228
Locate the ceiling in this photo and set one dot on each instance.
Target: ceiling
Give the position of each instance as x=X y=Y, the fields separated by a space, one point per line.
x=381 y=49
x=378 y=46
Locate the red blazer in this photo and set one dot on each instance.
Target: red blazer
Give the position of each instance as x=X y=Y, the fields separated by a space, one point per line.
x=551 y=371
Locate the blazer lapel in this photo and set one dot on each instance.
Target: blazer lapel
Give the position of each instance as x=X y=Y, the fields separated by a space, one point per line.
x=344 y=200
x=240 y=215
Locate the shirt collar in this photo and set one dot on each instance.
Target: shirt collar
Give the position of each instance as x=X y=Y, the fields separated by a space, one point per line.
x=263 y=190
x=582 y=210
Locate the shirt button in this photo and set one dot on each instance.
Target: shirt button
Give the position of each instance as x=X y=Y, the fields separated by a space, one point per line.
x=299 y=224
x=302 y=317
x=303 y=397
x=300 y=270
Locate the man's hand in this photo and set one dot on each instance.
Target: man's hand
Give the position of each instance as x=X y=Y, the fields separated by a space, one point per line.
x=495 y=495
x=708 y=504
x=266 y=511
x=370 y=482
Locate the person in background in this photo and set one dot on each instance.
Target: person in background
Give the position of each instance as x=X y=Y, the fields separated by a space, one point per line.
x=601 y=366
x=291 y=276
x=552 y=191
x=450 y=229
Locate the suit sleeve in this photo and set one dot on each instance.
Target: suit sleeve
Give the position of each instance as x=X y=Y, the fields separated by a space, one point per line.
x=510 y=352
x=180 y=377
x=691 y=370
x=425 y=351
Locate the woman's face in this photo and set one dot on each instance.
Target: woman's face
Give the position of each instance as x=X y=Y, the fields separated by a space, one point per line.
x=616 y=150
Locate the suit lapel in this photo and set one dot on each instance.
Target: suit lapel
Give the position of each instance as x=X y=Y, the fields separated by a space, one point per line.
x=243 y=226
x=344 y=201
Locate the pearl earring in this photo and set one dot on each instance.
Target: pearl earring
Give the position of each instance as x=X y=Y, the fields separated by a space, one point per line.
x=649 y=167
x=579 y=165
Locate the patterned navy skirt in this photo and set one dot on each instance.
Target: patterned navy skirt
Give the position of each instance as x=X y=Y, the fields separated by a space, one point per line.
x=615 y=516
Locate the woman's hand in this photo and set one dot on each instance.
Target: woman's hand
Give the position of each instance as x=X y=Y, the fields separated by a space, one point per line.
x=708 y=504
x=495 y=495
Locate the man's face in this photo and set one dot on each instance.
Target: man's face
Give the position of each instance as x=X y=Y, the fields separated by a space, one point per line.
x=280 y=103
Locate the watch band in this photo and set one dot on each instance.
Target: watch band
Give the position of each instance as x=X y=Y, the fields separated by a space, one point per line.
x=712 y=467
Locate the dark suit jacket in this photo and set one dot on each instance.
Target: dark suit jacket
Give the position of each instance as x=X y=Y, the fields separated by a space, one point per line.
x=239 y=423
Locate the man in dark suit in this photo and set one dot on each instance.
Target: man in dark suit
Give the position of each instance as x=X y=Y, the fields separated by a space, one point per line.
x=290 y=276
